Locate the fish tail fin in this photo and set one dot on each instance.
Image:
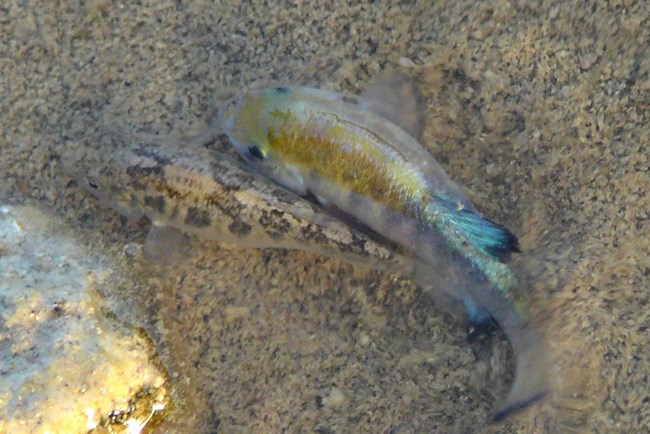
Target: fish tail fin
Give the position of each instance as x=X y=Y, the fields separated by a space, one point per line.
x=532 y=362
x=499 y=296
x=530 y=384
x=489 y=237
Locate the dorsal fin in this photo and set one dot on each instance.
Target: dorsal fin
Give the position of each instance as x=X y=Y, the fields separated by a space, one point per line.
x=394 y=96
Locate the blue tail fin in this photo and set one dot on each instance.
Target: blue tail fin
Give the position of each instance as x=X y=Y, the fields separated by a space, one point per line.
x=489 y=237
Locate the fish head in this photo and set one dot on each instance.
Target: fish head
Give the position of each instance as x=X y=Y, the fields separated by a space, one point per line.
x=251 y=121
x=99 y=168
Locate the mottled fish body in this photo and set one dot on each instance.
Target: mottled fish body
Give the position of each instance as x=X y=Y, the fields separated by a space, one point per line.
x=319 y=144
x=187 y=188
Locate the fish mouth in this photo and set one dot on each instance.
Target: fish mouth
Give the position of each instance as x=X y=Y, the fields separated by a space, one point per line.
x=227 y=119
x=226 y=113
x=76 y=164
x=69 y=159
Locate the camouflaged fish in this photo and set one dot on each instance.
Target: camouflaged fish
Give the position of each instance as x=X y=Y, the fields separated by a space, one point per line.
x=359 y=164
x=191 y=190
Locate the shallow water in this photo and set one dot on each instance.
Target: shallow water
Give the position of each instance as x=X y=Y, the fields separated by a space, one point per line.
x=538 y=110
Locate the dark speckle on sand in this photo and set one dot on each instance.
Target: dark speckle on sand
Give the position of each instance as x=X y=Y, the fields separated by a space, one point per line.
x=538 y=109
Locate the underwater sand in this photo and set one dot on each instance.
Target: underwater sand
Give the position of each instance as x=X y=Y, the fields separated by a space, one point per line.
x=539 y=110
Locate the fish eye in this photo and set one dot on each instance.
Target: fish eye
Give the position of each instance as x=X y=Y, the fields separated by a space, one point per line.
x=92 y=184
x=256 y=152
x=281 y=89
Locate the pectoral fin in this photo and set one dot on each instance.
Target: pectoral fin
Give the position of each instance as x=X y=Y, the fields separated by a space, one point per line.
x=166 y=245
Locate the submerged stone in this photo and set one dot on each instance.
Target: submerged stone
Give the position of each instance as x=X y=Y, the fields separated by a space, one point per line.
x=64 y=365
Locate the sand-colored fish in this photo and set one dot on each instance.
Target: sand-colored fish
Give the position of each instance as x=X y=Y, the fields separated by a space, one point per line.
x=189 y=189
x=359 y=164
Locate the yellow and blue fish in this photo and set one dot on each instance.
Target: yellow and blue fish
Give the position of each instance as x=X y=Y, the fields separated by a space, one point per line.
x=359 y=164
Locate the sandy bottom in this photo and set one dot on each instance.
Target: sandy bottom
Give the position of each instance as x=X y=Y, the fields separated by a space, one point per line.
x=539 y=111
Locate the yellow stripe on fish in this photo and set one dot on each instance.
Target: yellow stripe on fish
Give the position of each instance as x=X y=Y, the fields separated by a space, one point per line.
x=348 y=159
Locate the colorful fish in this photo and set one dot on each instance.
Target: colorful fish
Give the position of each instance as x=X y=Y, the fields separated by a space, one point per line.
x=359 y=165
